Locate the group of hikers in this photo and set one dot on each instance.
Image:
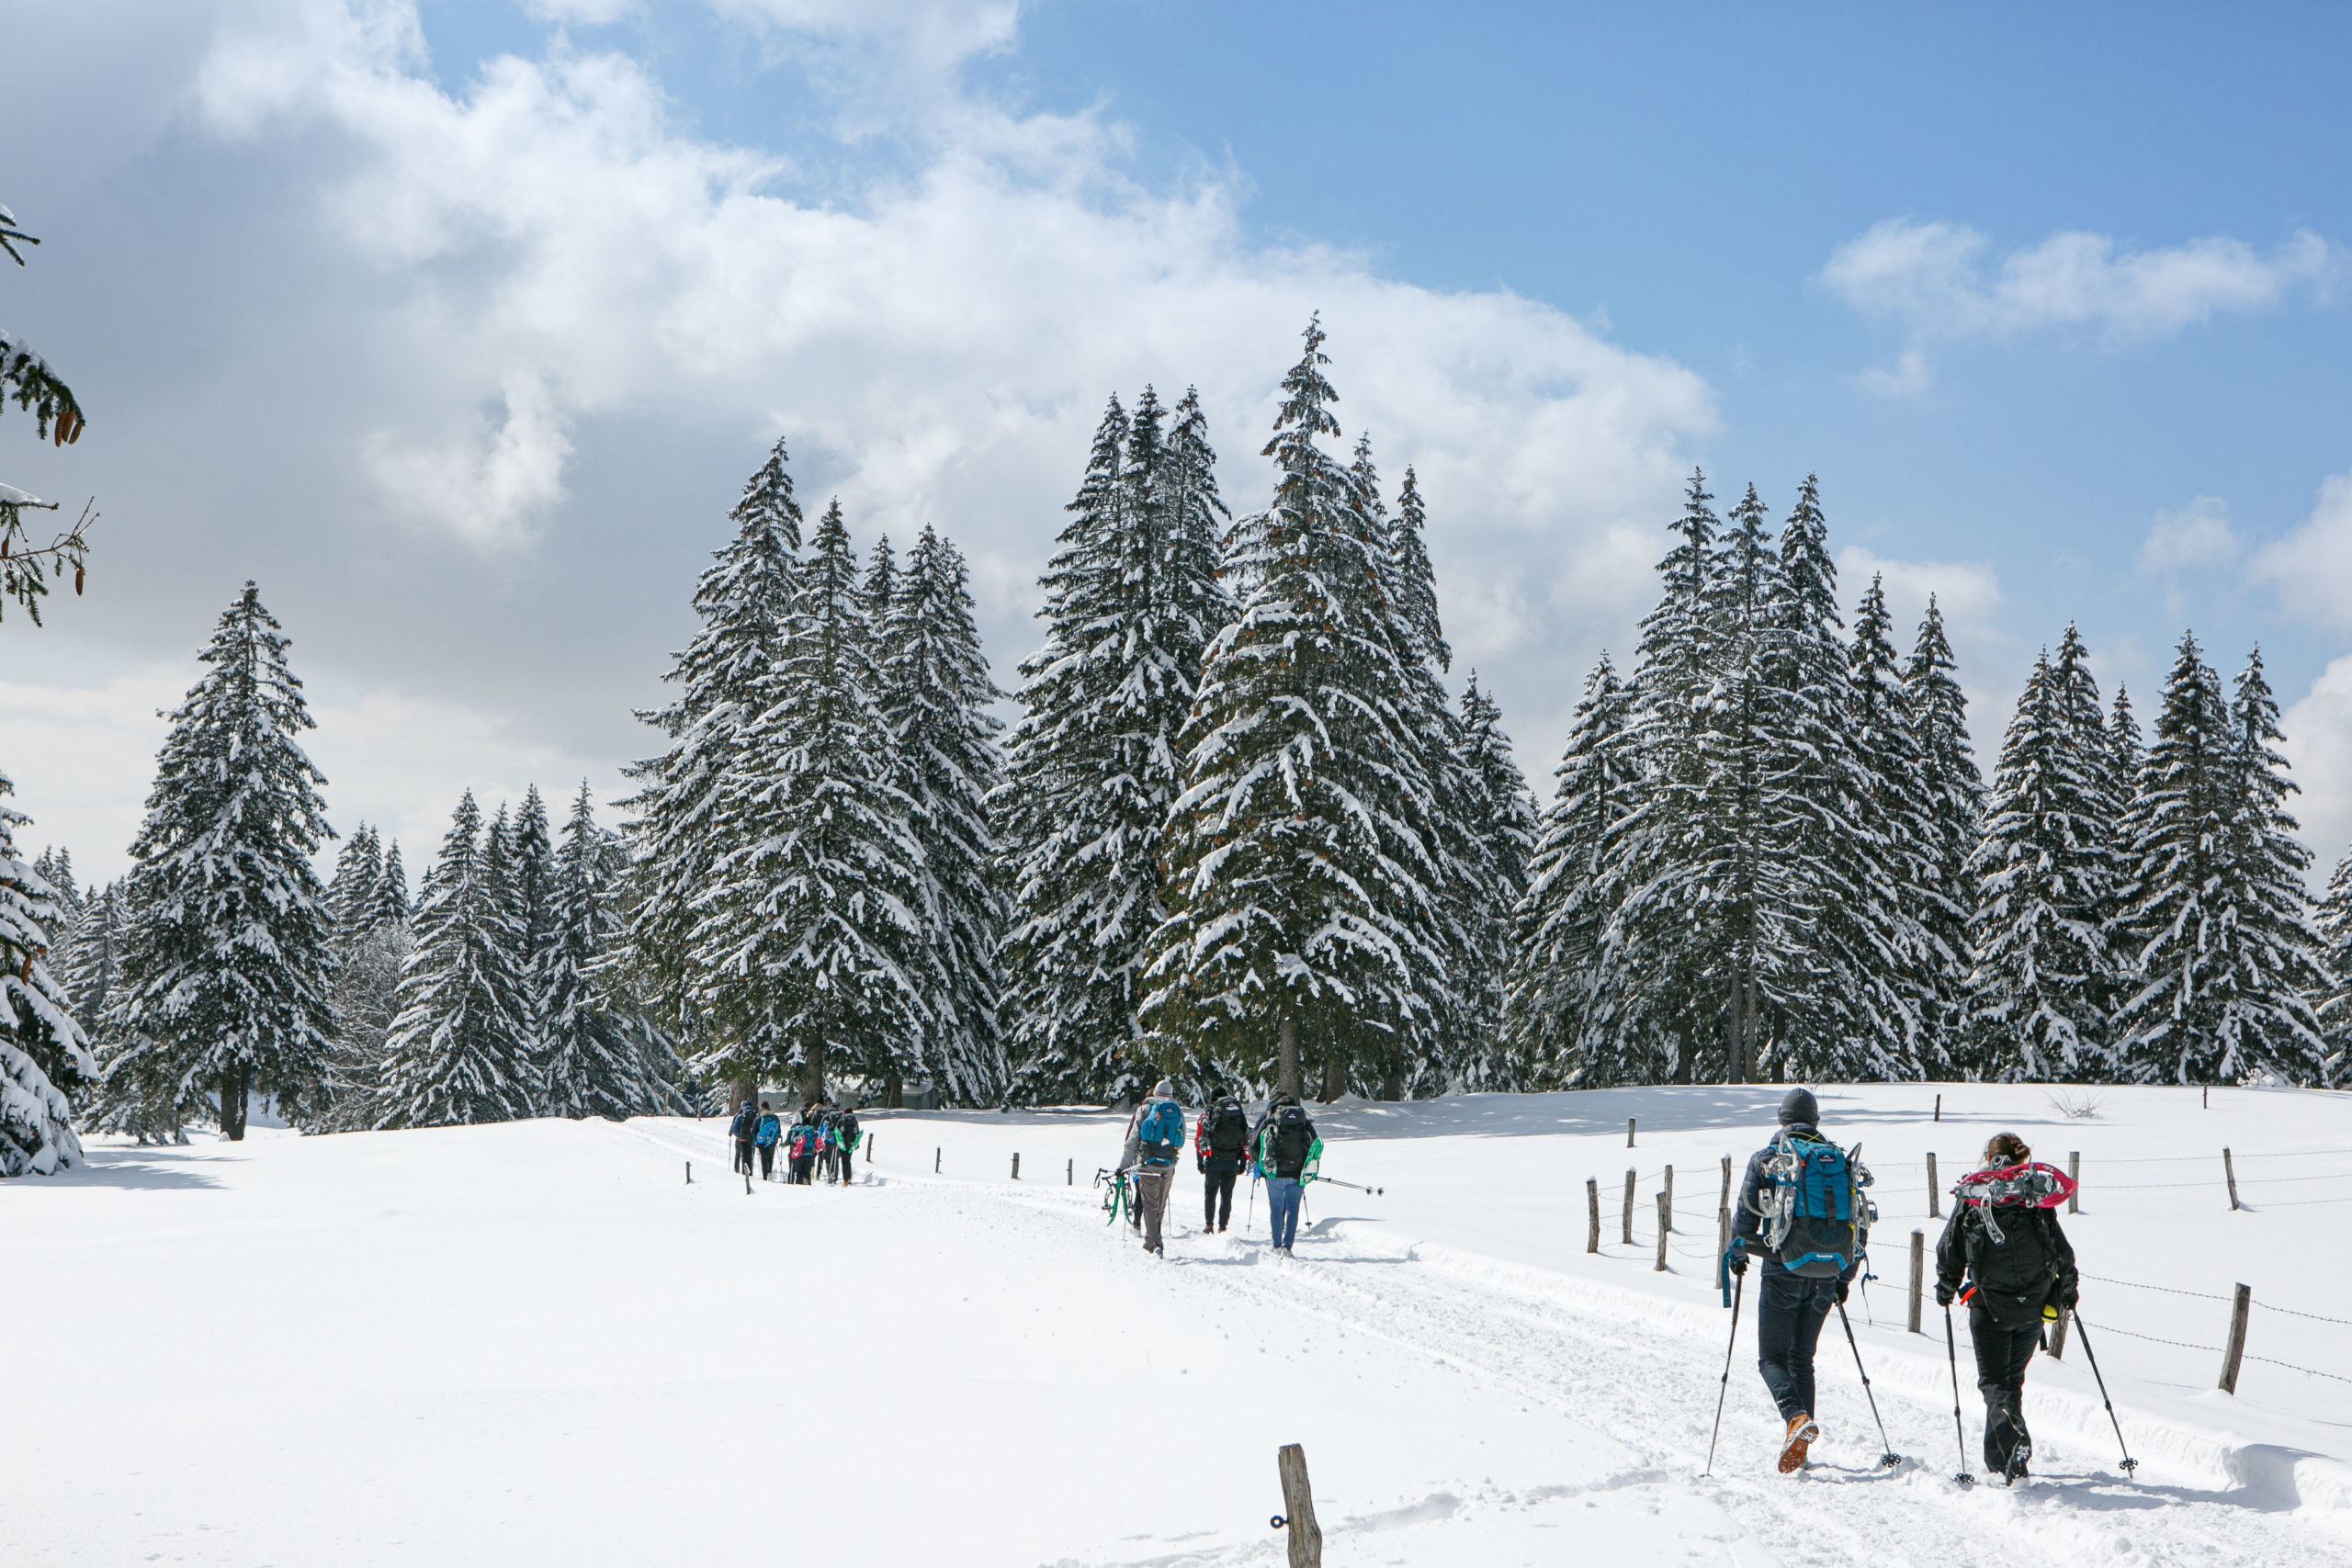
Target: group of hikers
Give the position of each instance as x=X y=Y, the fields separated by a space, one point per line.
x=817 y=1146
x=1803 y=1210
x=1281 y=1146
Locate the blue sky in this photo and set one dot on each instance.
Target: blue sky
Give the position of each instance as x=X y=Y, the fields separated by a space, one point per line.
x=458 y=326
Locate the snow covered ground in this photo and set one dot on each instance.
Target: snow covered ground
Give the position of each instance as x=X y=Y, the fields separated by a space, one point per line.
x=534 y=1343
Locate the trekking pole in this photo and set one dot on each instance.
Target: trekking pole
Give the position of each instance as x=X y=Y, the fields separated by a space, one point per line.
x=2129 y=1464
x=1738 y=1287
x=1889 y=1458
x=1350 y=1186
x=1952 y=1353
x=1252 y=1212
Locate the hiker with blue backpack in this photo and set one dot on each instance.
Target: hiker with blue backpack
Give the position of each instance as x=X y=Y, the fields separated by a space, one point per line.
x=766 y=1131
x=1288 y=1152
x=1802 y=1208
x=2003 y=1240
x=800 y=1147
x=1155 y=1138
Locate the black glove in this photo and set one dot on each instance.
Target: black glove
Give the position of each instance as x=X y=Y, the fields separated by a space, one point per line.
x=1841 y=1293
x=2067 y=1298
x=1736 y=1259
x=1943 y=1294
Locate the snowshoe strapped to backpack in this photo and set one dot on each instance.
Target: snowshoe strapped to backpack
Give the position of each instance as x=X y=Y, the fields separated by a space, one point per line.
x=1816 y=1214
x=2034 y=1186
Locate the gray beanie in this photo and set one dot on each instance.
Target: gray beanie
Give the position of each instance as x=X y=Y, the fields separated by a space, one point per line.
x=1798 y=1109
x=1163 y=1089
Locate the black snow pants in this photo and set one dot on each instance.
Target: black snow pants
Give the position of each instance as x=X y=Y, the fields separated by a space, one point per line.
x=1789 y=1310
x=767 y=1161
x=802 y=1169
x=743 y=1154
x=1220 y=1202
x=2002 y=1351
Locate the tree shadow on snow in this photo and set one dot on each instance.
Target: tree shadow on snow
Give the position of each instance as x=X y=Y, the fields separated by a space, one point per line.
x=147 y=1168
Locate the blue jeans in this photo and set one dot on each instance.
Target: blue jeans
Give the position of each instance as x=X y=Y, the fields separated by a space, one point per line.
x=1282 y=1195
x=1789 y=1310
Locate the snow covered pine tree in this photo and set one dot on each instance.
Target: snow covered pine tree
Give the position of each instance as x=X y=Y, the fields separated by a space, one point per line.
x=228 y=966
x=42 y=1057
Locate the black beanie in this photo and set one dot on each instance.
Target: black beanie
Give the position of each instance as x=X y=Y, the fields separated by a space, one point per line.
x=1798 y=1109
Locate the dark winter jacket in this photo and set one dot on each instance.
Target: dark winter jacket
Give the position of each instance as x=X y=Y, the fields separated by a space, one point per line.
x=1234 y=1122
x=1135 y=1155
x=1272 y=1161
x=746 y=1124
x=1748 y=1217
x=2032 y=1266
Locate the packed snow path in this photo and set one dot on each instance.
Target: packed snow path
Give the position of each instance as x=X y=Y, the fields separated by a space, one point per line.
x=534 y=1343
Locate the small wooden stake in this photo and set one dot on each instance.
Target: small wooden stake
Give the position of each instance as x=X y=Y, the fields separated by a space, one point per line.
x=2075 y=1174
x=1939 y=1107
x=1069 y=1172
x=870 y=1139
x=1592 y=1202
x=2058 y=1335
x=2239 y=1309
x=690 y=1173
x=1919 y=1274
x=1725 y=1201
x=1935 y=1192
x=1665 y=1203
x=2230 y=1170
x=1664 y=1226
x=1016 y=1167
x=1629 y=1131
x=1299 y=1508
x=1723 y=1237
x=1629 y=1208
x=747 y=1182
x=934 y=1161
x=2205 y=1098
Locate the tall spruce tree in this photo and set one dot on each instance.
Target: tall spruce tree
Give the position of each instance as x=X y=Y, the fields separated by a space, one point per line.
x=228 y=966
x=1552 y=1015
x=937 y=695
x=2037 y=997
x=2332 y=1003
x=1500 y=819
x=44 y=1058
x=1291 y=917
x=458 y=1050
x=743 y=599
x=531 y=877
x=813 y=942
x=598 y=1058
x=1093 y=766
x=1948 y=817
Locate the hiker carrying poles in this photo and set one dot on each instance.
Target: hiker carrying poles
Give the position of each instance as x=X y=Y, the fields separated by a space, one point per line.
x=1890 y=1459
x=2129 y=1464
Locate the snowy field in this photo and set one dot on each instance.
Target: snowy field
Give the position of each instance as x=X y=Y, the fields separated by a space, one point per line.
x=536 y=1344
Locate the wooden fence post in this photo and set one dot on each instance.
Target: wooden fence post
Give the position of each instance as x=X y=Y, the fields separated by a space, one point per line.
x=1725 y=1201
x=1723 y=1232
x=1664 y=1226
x=2230 y=1170
x=1299 y=1508
x=2205 y=1102
x=2075 y=1174
x=1629 y=1208
x=1592 y=1202
x=690 y=1173
x=2058 y=1335
x=1935 y=1192
x=1069 y=1172
x=934 y=1162
x=1919 y=1274
x=1665 y=1203
x=1939 y=1107
x=1629 y=1131
x=871 y=1139
x=1016 y=1167
x=747 y=1182
x=2239 y=1309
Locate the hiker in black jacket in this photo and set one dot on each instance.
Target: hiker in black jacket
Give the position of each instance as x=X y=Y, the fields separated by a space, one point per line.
x=2019 y=1271
x=745 y=1126
x=1790 y=1307
x=1221 y=1151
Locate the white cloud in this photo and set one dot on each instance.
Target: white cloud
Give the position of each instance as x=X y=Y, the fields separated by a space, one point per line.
x=2312 y=566
x=2319 y=746
x=1910 y=376
x=490 y=485
x=2198 y=535
x=1931 y=278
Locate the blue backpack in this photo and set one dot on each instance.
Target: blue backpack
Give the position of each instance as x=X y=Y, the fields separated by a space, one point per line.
x=1816 y=1216
x=1161 y=1135
x=765 y=1137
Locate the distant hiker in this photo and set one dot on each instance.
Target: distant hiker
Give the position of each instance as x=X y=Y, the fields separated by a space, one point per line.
x=765 y=1134
x=800 y=1148
x=1155 y=1138
x=1287 y=1153
x=745 y=1126
x=2004 y=1237
x=841 y=1131
x=1220 y=1152
x=1801 y=1207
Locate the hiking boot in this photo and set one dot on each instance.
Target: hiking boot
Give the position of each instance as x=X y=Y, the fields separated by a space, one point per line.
x=1803 y=1430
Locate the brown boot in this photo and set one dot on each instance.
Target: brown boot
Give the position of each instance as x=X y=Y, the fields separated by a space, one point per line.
x=1802 y=1432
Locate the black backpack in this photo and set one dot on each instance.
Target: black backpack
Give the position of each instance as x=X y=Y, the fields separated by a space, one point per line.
x=1228 y=1129
x=1292 y=1138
